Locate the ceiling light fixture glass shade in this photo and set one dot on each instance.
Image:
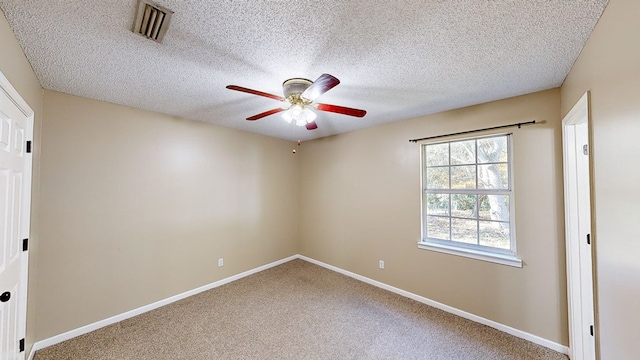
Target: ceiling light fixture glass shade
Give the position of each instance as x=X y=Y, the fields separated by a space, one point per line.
x=301 y=115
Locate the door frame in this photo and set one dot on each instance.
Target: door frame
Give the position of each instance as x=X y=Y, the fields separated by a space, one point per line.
x=579 y=240
x=21 y=104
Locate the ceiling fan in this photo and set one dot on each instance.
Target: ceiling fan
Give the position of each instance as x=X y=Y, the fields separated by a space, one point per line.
x=298 y=100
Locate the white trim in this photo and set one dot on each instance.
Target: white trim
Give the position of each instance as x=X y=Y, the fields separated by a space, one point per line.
x=580 y=296
x=13 y=94
x=509 y=330
x=579 y=112
x=39 y=345
x=99 y=324
x=504 y=259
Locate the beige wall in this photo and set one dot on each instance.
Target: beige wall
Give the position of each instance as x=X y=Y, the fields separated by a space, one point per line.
x=16 y=68
x=609 y=67
x=360 y=202
x=138 y=206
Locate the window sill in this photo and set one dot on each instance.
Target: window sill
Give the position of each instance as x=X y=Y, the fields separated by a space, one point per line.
x=503 y=259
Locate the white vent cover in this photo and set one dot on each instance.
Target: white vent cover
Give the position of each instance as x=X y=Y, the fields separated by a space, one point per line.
x=151 y=20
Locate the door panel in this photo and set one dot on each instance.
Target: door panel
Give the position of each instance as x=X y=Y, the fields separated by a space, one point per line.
x=14 y=240
x=4 y=131
x=4 y=220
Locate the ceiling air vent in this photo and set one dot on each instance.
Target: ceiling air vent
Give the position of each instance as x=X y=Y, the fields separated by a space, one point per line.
x=151 y=20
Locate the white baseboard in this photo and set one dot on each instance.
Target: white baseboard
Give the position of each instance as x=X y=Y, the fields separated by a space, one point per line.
x=143 y=309
x=117 y=318
x=509 y=330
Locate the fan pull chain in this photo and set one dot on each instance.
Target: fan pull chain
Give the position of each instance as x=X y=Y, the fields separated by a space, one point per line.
x=295 y=132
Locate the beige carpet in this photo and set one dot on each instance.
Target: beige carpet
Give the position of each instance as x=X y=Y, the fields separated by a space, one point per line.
x=297 y=311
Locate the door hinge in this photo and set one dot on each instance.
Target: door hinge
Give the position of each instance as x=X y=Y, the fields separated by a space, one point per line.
x=28 y=146
x=25 y=244
x=585 y=149
x=591 y=330
x=22 y=345
x=588 y=239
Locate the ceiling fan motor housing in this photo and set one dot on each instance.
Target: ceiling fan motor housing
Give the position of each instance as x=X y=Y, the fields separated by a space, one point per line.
x=295 y=86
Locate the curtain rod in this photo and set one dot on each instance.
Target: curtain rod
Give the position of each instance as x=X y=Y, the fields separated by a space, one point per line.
x=478 y=130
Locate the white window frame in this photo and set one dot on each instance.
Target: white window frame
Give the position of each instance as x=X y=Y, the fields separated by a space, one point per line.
x=474 y=251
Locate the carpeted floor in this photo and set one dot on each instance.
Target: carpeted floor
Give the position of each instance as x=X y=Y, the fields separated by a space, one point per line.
x=297 y=310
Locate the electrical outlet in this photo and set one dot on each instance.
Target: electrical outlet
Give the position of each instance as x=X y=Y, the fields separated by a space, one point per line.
x=381 y=264
x=220 y=262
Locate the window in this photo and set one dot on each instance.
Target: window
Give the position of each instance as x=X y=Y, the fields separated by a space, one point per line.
x=467 y=199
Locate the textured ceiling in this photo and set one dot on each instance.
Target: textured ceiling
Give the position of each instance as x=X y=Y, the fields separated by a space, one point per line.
x=395 y=59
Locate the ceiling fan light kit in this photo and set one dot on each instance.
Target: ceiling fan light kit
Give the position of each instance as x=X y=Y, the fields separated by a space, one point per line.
x=301 y=115
x=298 y=106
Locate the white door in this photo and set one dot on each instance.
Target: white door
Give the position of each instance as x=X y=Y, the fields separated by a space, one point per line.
x=579 y=242
x=15 y=188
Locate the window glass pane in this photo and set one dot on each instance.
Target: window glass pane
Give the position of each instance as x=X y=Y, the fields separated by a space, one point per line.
x=438 y=227
x=492 y=149
x=438 y=178
x=438 y=155
x=494 y=234
x=465 y=231
x=467 y=195
x=494 y=176
x=438 y=204
x=494 y=207
x=463 y=177
x=463 y=205
x=463 y=152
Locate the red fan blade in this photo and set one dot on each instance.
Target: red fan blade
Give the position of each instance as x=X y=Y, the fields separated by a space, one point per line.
x=311 y=126
x=266 y=113
x=323 y=84
x=255 y=92
x=341 y=110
